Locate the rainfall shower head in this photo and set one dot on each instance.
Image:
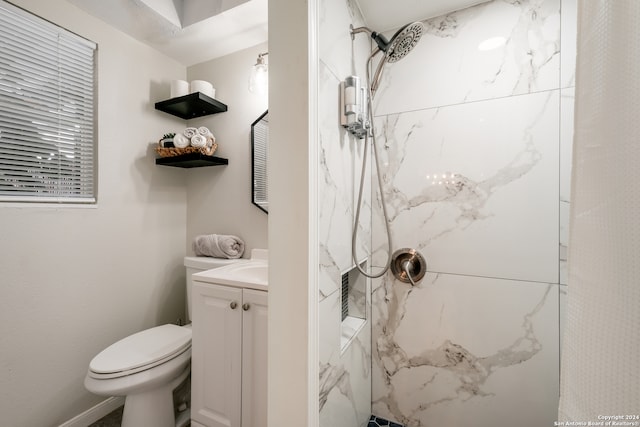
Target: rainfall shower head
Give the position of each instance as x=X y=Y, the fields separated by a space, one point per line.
x=403 y=41
x=400 y=44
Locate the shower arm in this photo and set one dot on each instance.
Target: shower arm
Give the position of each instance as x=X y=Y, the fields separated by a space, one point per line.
x=355 y=31
x=380 y=39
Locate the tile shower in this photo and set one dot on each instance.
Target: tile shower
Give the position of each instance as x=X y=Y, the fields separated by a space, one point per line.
x=476 y=154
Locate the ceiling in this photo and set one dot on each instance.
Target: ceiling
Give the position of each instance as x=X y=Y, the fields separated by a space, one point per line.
x=390 y=15
x=194 y=31
x=190 y=31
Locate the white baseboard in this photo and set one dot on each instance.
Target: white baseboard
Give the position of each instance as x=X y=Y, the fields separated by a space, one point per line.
x=93 y=414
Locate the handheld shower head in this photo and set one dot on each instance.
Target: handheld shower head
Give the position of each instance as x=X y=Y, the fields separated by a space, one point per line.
x=394 y=50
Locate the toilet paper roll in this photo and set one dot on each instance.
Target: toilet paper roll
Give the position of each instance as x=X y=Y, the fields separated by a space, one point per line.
x=203 y=87
x=179 y=88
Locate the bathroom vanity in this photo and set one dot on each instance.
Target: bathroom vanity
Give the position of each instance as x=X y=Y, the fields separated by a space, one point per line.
x=229 y=346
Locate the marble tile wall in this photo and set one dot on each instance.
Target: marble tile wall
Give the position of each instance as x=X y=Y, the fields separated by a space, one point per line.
x=476 y=148
x=345 y=374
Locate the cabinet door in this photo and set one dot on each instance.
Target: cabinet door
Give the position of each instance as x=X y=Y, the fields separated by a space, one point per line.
x=216 y=355
x=254 y=359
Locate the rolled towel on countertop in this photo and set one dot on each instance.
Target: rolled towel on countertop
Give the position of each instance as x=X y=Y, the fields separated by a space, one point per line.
x=218 y=246
x=190 y=132
x=198 y=141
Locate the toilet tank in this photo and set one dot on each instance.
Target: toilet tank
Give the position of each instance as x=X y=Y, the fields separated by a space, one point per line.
x=196 y=264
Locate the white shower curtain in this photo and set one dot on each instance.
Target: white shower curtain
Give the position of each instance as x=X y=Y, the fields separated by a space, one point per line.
x=600 y=371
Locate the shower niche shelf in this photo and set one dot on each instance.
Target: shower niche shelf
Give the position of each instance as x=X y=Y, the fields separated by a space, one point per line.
x=190 y=106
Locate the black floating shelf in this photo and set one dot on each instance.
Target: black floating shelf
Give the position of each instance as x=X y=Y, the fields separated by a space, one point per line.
x=191 y=160
x=191 y=106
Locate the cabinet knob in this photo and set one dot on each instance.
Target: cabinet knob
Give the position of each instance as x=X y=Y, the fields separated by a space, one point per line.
x=246 y=306
x=233 y=305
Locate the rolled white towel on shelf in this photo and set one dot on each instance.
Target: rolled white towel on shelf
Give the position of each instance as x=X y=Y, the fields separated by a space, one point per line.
x=198 y=141
x=204 y=131
x=181 y=141
x=218 y=246
x=190 y=132
x=211 y=140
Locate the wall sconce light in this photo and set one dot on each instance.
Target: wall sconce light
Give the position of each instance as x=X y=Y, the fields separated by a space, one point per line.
x=259 y=79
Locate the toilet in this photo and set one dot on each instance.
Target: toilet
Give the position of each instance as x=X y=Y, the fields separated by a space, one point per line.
x=147 y=366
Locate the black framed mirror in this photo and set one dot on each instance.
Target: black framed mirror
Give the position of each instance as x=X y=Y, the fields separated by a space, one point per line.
x=259 y=154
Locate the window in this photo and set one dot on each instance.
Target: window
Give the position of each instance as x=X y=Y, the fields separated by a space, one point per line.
x=47 y=142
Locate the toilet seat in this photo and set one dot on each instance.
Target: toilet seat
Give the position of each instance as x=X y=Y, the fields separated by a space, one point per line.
x=141 y=351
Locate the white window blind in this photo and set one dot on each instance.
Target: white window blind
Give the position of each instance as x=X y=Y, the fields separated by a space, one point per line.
x=47 y=148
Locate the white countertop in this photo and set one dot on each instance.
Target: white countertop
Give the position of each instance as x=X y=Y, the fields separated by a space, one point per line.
x=249 y=274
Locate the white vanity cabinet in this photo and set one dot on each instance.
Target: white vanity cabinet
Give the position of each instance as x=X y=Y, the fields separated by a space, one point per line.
x=229 y=356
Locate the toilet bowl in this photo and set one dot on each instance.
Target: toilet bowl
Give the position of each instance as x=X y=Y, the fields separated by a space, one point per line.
x=148 y=366
x=145 y=367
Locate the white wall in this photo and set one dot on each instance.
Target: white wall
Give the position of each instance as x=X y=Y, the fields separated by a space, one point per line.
x=293 y=260
x=75 y=280
x=219 y=197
